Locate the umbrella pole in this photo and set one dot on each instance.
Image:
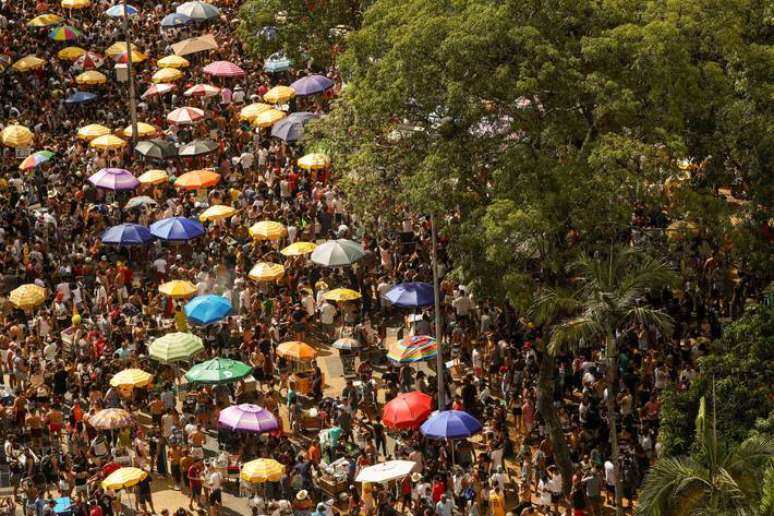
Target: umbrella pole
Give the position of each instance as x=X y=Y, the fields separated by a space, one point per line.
x=451 y=443
x=132 y=100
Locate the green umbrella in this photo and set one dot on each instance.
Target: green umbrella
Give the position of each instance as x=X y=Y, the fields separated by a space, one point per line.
x=218 y=370
x=175 y=347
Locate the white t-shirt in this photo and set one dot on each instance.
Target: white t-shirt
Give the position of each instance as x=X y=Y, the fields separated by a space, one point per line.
x=327 y=313
x=609 y=473
x=215 y=480
x=160 y=264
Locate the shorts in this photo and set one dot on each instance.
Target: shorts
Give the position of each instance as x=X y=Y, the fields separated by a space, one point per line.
x=555 y=497
x=143 y=497
x=196 y=491
x=175 y=470
x=215 y=497
x=55 y=428
x=610 y=488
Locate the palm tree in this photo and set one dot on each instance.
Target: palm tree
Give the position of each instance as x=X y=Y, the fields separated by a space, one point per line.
x=608 y=299
x=714 y=481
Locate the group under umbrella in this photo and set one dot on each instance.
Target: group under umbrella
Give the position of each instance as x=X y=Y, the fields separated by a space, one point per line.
x=207 y=309
x=179 y=229
x=127 y=235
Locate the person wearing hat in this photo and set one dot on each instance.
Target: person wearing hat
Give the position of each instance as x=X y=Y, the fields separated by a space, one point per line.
x=302 y=504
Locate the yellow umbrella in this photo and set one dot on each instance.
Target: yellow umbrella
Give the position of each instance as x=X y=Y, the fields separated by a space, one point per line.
x=314 y=161
x=266 y=271
x=27 y=296
x=268 y=230
x=193 y=45
x=253 y=110
x=75 y=4
x=173 y=62
x=268 y=118
x=91 y=131
x=107 y=142
x=16 y=136
x=123 y=478
x=118 y=48
x=299 y=248
x=259 y=471
x=132 y=378
x=217 y=212
x=154 y=177
x=110 y=419
x=279 y=94
x=91 y=77
x=70 y=53
x=143 y=130
x=298 y=351
x=167 y=75
x=137 y=56
x=44 y=20
x=27 y=63
x=178 y=289
x=341 y=294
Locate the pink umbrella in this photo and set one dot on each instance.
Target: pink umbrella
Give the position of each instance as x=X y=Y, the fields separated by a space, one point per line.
x=185 y=115
x=223 y=69
x=248 y=418
x=202 y=90
x=114 y=179
x=158 y=89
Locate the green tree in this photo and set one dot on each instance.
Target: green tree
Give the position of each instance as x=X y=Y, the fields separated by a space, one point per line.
x=608 y=301
x=713 y=481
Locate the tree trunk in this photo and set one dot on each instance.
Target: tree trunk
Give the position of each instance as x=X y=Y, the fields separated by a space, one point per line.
x=612 y=367
x=545 y=406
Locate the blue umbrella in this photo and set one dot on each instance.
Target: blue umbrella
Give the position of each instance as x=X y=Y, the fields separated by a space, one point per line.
x=277 y=62
x=176 y=228
x=127 y=234
x=450 y=424
x=311 y=85
x=118 y=10
x=173 y=20
x=411 y=294
x=207 y=309
x=80 y=97
x=291 y=127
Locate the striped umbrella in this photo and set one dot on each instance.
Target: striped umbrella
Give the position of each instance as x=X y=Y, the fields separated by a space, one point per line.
x=413 y=349
x=65 y=33
x=266 y=271
x=107 y=142
x=260 y=471
x=268 y=230
x=154 y=177
x=248 y=418
x=131 y=377
x=91 y=131
x=185 y=115
x=16 y=135
x=27 y=296
x=111 y=419
x=218 y=371
x=175 y=347
x=223 y=69
x=198 y=11
x=118 y=10
x=158 y=89
x=44 y=20
x=202 y=90
x=123 y=478
x=35 y=159
x=89 y=61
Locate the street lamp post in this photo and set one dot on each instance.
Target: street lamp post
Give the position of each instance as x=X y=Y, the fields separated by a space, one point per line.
x=132 y=100
x=438 y=319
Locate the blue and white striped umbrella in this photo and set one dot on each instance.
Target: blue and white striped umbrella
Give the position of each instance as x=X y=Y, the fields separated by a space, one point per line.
x=118 y=10
x=174 y=20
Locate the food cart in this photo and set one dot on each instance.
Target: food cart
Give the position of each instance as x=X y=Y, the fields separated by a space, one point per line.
x=301 y=357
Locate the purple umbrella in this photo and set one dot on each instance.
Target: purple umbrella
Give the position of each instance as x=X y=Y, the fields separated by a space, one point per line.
x=311 y=85
x=248 y=418
x=114 y=179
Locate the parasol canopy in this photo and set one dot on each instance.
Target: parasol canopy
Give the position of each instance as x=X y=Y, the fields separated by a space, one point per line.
x=175 y=347
x=268 y=230
x=247 y=417
x=173 y=61
x=177 y=229
x=198 y=10
x=314 y=161
x=291 y=128
x=218 y=371
x=123 y=478
x=311 y=85
x=115 y=179
x=194 y=45
x=223 y=69
x=297 y=351
x=111 y=419
x=450 y=424
x=178 y=289
x=298 y=249
x=279 y=95
x=185 y=115
x=156 y=149
x=197 y=179
x=132 y=378
x=127 y=235
x=207 y=309
x=342 y=294
x=411 y=294
x=337 y=253
x=386 y=471
x=407 y=410
x=260 y=471
x=217 y=212
x=154 y=177
x=16 y=136
x=27 y=296
x=266 y=271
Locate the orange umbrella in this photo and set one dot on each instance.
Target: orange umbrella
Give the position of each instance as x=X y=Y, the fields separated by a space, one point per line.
x=197 y=179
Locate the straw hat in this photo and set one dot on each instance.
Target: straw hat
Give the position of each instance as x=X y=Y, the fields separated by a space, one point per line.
x=302 y=495
x=416 y=477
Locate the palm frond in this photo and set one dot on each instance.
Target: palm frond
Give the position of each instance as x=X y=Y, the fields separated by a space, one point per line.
x=570 y=333
x=673 y=486
x=748 y=462
x=653 y=273
x=767 y=492
x=648 y=316
x=553 y=303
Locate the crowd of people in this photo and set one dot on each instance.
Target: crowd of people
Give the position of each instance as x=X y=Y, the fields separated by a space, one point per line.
x=108 y=298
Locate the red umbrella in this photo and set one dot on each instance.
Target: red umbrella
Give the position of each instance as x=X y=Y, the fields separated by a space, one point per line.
x=407 y=410
x=223 y=69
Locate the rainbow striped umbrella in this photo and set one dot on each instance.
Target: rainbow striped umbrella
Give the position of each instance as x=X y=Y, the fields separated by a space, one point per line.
x=413 y=349
x=64 y=33
x=35 y=159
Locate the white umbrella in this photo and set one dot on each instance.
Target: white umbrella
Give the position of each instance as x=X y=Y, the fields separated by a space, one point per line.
x=386 y=471
x=335 y=253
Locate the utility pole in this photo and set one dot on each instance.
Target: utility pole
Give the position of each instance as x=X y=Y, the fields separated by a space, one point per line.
x=439 y=372
x=132 y=100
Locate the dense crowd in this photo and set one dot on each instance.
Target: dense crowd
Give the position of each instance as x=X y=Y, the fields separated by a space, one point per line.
x=108 y=297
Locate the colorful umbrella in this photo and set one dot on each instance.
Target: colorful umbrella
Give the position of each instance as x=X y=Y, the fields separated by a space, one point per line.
x=70 y=53
x=139 y=201
x=217 y=212
x=107 y=142
x=413 y=349
x=185 y=115
x=91 y=77
x=36 y=159
x=28 y=63
x=311 y=85
x=131 y=378
x=123 y=478
x=178 y=289
x=218 y=371
x=223 y=69
x=411 y=294
x=89 y=61
x=119 y=10
x=337 y=253
x=65 y=33
x=346 y=343
x=80 y=97
x=202 y=90
x=297 y=351
x=44 y=20
x=251 y=111
x=137 y=57
x=291 y=128
x=178 y=229
x=16 y=135
x=111 y=419
x=342 y=294
x=298 y=249
x=314 y=161
x=266 y=271
x=386 y=471
x=114 y=178
x=248 y=418
x=167 y=75
x=268 y=230
x=156 y=149
x=197 y=148
x=198 y=11
x=91 y=131
x=175 y=347
x=193 y=45
x=268 y=118
x=207 y=309
x=143 y=130
x=260 y=471
x=407 y=410
x=75 y=4
x=173 y=62
x=27 y=296
x=174 y=20
x=197 y=179
x=126 y=235
x=279 y=94
x=450 y=424
x=158 y=89
x=154 y=177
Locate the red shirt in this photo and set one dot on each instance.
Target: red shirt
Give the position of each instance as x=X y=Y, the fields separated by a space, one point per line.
x=194 y=475
x=96 y=511
x=439 y=488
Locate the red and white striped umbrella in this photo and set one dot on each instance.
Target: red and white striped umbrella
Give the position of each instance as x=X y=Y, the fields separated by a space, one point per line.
x=185 y=115
x=223 y=69
x=202 y=90
x=89 y=61
x=158 y=89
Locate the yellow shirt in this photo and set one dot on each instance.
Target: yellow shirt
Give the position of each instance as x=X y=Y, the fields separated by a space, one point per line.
x=497 y=504
x=181 y=322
